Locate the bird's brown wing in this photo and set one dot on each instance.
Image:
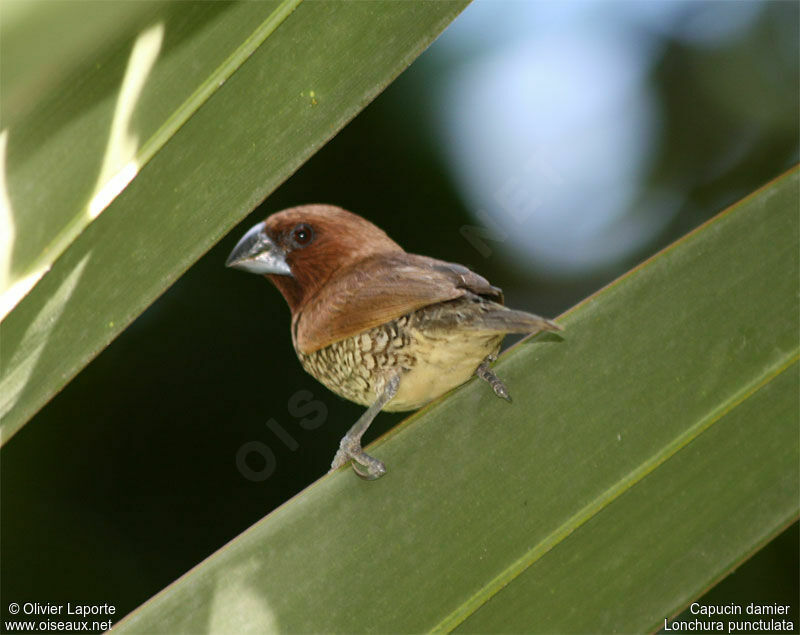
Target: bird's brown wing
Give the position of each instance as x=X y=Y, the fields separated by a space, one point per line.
x=377 y=290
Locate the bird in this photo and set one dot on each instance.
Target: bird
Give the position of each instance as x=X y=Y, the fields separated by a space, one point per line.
x=379 y=326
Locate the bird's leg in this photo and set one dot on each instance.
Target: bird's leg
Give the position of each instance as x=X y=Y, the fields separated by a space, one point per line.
x=350 y=445
x=484 y=372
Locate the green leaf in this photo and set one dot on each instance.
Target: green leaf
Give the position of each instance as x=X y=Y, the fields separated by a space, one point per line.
x=125 y=102
x=649 y=450
x=146 y=141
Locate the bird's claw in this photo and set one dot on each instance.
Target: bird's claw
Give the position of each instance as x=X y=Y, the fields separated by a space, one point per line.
x=500 y=389
x=367 y=467
x=373 y=470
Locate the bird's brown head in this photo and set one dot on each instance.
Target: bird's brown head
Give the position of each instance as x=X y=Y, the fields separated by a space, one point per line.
x=300 y=248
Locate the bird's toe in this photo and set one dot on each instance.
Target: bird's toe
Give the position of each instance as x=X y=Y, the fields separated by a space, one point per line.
x=373 y=470
x=501 y=391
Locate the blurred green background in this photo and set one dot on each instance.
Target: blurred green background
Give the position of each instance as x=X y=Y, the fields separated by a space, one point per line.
x=548 y=146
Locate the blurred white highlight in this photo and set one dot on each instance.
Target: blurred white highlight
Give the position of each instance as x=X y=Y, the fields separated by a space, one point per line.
x=119 y=162
x=238 y=606
x=550 y=124
x=12 y=289
x=112 y=189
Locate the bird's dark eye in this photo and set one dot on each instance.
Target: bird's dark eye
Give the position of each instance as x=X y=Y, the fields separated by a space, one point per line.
x=302 y=235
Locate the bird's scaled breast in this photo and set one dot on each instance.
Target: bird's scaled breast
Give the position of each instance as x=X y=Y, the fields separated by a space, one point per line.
x=431 y=359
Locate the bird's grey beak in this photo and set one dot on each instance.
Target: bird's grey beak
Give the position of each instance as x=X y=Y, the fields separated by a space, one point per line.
x=256 y=253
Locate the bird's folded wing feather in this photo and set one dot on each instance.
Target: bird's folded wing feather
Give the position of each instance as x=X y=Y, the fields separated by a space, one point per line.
x=377 y=290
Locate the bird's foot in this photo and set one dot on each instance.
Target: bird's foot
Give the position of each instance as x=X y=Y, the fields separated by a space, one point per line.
x=367 y=467
x=485 y=372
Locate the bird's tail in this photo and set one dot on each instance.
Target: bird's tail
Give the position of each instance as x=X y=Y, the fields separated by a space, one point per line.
x=504 y=320
x=479 y=314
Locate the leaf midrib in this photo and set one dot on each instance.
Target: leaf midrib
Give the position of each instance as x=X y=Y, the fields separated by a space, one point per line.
x=593 y=508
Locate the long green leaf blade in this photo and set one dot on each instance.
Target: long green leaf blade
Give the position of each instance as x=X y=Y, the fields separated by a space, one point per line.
x=679 y=514
x=673 y=389
x=109 y=135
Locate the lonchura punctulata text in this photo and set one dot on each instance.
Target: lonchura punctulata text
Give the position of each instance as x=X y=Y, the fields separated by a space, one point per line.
x=381 y=327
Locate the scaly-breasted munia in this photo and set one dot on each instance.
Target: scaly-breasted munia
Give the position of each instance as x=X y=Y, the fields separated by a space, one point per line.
x=381 y=327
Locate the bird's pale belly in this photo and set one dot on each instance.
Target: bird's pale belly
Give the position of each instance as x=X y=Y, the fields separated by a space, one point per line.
x=432 y=361
x=443 y=363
